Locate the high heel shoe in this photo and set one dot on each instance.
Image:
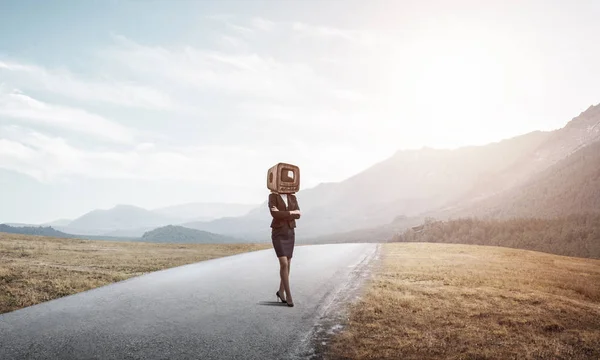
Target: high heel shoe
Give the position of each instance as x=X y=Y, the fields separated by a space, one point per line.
x=283 y=301
x=290 y=305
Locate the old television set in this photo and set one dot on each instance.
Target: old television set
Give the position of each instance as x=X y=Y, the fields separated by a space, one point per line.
x=284 y=178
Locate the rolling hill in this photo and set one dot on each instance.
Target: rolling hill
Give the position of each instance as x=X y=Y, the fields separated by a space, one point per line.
x=34 y=230
x=165 y=234
x=182 y=235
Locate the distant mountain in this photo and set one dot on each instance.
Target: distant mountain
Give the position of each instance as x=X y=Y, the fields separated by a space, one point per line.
x=408 y=183
x=121 y=217
x=59 y=222
x=413 y=183
x=571 y=186
x=379 y=233
x=31 y=230
x=133 y=221
x=581 y=131
x=128 y=233
x=254 y=226
x=182 y=235
x=204 y=211
x=569 y=189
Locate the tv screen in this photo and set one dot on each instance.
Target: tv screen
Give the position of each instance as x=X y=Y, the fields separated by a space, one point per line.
x=288 y=175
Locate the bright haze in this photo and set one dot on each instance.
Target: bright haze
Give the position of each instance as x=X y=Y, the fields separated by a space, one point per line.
x=156 y=103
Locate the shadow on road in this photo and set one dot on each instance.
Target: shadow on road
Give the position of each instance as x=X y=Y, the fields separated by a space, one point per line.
x=272 y=303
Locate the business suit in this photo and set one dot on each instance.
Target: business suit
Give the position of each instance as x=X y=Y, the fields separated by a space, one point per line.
x=283 y=235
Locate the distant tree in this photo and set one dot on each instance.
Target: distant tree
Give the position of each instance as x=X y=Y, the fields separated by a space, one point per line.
x=34 y=230
x=575 y=235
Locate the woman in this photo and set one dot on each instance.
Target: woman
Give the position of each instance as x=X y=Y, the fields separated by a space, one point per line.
x=284 y=210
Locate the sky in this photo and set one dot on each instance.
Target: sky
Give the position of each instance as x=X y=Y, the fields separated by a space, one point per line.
x=156 y=103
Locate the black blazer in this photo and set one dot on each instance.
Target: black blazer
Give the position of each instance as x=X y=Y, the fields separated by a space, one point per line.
x=283 y=216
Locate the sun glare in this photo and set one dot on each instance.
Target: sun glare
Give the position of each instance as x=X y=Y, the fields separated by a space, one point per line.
x=452 y=86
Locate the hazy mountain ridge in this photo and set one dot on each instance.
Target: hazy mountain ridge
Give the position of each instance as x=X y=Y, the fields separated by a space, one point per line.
x=254 y=226
x=133 y=221
x=59 y=222
x=408 y=183
x=204 y=211
x=581 y=131
x=571 y=186
x=414 y=183
x=120 y=217
x=532 y=158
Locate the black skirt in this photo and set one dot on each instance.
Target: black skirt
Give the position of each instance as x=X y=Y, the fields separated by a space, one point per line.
x=283 y=239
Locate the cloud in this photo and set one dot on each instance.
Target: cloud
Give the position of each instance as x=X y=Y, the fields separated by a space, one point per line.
x=348 y=95
x=238 y=98
x=19 y=106
x=249 y=26
x=232 y=42
x=263 y=24
x=323 y=31
x=107 y=90
x=15 y=150
x=18 y=157
x=248 y=75
x=239 y=29
x=51 y=158
x=47 y=158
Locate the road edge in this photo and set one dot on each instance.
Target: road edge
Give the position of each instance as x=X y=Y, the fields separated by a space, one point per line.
x=333 y=314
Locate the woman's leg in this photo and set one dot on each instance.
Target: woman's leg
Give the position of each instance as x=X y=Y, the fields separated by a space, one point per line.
x=293 y=237
x=278 y=250
x=284 y=272
x=281 y=287
x=289 y=260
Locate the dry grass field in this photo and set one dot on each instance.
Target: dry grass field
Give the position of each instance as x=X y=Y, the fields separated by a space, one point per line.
x=447 y=301
x=35 y=269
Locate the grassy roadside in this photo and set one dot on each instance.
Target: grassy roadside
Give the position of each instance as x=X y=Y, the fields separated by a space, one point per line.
x=36 y=269
x=447 y=301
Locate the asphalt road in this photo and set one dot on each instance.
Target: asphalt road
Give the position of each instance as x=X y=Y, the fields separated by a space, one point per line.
x=218 y=309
